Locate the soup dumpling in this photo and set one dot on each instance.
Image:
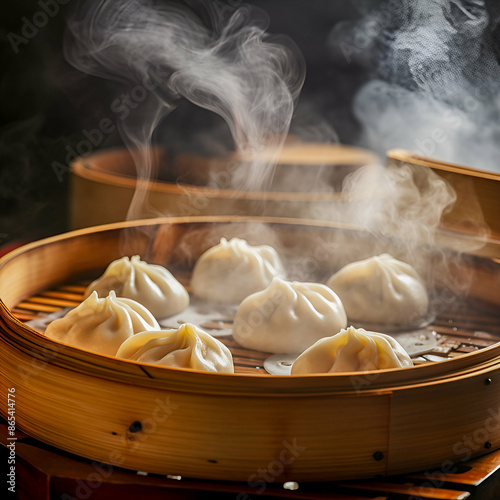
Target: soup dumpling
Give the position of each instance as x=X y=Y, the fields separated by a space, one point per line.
x=186 y=347
x=288 y=317
x=352 y=350
x=233 y=270
x=102 y=324
x=150 y=284
x=381 y=290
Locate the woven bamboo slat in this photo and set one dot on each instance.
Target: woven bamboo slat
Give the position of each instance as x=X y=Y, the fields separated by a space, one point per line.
x=216 y=426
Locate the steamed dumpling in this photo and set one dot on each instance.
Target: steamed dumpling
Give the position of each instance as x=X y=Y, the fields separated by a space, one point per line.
x=186 y=347
x=232 y=270
x=101 y=325
x=382 y=290
x=352 y=350
x=151 y=285
x=288 y=317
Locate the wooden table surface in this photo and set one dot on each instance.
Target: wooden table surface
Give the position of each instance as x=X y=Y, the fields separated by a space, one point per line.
x=43 y=473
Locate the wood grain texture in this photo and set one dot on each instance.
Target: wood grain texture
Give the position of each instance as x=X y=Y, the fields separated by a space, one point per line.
x=478 y=196
x=45 y=473
x=103 y=184
x=304 y=428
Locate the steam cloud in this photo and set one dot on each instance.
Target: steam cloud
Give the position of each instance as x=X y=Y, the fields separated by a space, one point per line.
x=435 y=79
x=432 y=91
x=228 y=65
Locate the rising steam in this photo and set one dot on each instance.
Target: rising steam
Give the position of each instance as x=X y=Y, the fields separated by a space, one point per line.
x=227 y=64
x=407 y=201
x=432 y=91
x=222 y=60
x=434 y=88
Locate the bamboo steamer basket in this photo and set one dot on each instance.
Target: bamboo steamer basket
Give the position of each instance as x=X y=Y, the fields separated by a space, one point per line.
x=247 y=426
x=103 y=184
x=477 y=194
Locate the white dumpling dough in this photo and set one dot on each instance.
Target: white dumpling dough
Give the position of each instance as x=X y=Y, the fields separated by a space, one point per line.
x=233 y=270
x=186 y=347
x=382 y=290
x=288 y=317
x=101 y=325
x=352 y=350
x=150 y=284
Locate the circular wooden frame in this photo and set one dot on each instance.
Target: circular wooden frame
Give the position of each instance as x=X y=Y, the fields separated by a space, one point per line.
x=103 y=184
x=234 y=427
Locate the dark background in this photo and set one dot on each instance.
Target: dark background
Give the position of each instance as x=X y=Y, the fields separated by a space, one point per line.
x=46 y=104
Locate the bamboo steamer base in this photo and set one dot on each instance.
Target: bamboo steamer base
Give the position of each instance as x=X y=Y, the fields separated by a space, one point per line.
x=230 y=427
x=58 y=473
